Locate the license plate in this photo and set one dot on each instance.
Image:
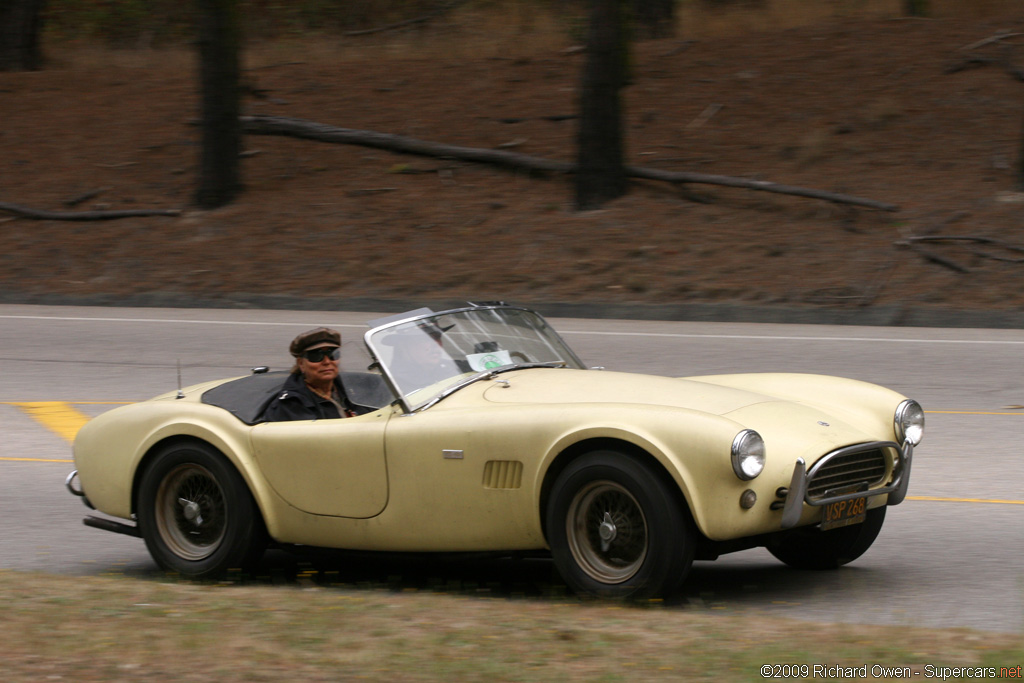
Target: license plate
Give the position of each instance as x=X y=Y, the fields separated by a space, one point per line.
x=844 y=513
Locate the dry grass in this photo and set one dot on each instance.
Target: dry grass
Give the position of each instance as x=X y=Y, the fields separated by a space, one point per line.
x=120 y=629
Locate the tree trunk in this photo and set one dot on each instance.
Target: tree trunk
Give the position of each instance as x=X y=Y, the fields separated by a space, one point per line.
x=219 y=67
x=654 y=18
x=20 y=24
x=1020 y=163
x=601 y=174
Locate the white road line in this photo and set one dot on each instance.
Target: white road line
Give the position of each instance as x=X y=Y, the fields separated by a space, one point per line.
x=767 y=337
x=172 y=321
x=598 y=333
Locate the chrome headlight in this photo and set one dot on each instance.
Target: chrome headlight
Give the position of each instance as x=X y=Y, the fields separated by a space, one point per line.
x=747 y=454
x=909 y=422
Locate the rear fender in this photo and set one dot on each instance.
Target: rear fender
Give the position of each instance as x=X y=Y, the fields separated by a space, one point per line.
x=233 y=444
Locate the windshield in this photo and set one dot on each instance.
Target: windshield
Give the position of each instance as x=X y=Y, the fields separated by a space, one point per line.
x=426 y=356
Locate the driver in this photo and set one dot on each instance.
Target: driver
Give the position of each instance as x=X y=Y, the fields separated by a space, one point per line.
x=314 y=390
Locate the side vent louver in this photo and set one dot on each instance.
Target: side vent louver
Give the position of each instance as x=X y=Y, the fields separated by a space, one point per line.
x=503 y=474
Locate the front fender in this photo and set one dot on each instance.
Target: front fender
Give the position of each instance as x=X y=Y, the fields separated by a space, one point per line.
x=694 y=449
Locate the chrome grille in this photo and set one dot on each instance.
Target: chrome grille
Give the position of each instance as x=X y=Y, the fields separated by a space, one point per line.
x=847 y=468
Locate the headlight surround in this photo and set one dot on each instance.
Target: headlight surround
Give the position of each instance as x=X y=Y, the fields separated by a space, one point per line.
x=748 y=454
x=909 y=422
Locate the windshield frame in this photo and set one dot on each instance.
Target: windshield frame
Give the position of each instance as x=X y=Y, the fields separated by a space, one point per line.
x=546 y=335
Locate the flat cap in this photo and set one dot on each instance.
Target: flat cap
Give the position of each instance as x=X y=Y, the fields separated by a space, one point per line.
x=314 y=339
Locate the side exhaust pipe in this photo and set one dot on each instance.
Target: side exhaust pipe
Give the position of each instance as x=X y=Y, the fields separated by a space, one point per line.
x=110 y=525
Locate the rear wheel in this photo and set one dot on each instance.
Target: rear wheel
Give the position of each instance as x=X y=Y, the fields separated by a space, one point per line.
x=811 y=548
x=617 y=530
x=196 y=514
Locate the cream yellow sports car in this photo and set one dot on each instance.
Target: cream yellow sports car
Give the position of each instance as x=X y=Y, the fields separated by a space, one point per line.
x=500 y=439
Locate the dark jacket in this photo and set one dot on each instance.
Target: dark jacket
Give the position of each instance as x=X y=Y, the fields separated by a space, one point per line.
x=296 y=401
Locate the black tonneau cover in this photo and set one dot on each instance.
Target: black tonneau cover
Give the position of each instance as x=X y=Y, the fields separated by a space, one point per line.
x=247 y=397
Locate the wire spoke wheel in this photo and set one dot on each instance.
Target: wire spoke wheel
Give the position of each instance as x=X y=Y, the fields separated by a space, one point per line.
x=196 y=512
x=607 y=532
x=191 y=513
x=618 y=528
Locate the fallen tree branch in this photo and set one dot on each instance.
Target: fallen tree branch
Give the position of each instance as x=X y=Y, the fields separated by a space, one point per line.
x=704 y=117
x=929 y=255
x=38 y=215
x=972 y=239
x=1004 y=60
x=970 y=62
x=965 y=238
x=409 y=22
x=1000 y=36
x=311 y=130
x=75 y=201
x=757 y=185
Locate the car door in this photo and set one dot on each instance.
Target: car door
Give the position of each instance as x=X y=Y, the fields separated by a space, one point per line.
x=327 y=467
x=464 y=479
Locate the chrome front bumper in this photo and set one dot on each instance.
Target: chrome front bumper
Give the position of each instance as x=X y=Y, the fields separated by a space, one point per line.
x=69 y=483
x=796 y=494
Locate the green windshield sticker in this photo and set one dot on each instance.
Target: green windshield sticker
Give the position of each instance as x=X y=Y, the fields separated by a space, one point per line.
x=481 y=362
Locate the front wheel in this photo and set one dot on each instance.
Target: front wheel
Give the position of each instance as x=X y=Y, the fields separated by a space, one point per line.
x=617 y=530
x=812 y=548
x=196 y=514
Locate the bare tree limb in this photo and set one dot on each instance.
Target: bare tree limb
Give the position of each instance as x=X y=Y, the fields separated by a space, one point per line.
x=704 y=117
x=38 y=215
x=75 y=201
x=311 y=130
x=965 y=238
x=1000 y=36
x=969 y=62
x=443 y=9
x=930 y=255
x=1004 y=60
x=972 y=239
x=757 y=185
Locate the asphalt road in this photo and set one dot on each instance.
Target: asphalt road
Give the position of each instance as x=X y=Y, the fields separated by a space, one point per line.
x=950 y=556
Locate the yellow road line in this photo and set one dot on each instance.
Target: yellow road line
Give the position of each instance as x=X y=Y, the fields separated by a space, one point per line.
x=35 y=460
x=936 y=499
x=77 y=403
x=969 y=412
x=57 y=416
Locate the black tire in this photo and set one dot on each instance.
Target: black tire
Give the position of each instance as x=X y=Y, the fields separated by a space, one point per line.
x=196 y=514
x=811 y=548
x=617 y=530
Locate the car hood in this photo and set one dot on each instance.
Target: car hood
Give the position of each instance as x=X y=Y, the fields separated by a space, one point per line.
x=592 y=386
x=791 y=409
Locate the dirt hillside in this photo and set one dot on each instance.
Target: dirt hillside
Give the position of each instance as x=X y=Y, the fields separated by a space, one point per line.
x=897 y=111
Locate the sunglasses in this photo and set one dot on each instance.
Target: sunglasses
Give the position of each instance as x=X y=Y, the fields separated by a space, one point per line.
x=317 y=355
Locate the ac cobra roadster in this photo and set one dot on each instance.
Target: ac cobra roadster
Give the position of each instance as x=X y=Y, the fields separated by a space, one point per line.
x=506 y=442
